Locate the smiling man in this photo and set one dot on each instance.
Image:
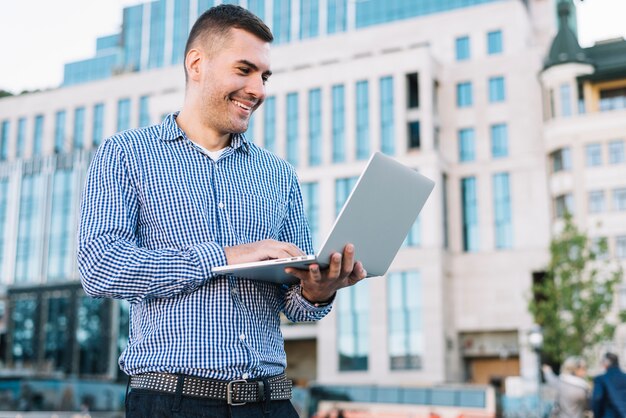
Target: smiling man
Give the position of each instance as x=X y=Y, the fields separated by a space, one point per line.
x=164 y=205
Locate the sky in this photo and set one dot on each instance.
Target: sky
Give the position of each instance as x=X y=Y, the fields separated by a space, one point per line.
x=38 y=36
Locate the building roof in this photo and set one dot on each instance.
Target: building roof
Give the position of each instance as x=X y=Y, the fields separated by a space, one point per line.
x=609 y=59
x=565 y=48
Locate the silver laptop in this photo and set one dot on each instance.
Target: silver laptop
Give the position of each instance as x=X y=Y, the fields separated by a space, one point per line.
x=376 y=218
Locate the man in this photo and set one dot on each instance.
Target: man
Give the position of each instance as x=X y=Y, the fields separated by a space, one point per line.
x=609 y=390
x=163 y=205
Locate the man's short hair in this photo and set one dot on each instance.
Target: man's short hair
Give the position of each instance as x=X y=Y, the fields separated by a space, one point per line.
x=217 y=21
x=611 y=359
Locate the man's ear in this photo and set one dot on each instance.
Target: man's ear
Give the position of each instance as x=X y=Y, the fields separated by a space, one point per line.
x=192 y=63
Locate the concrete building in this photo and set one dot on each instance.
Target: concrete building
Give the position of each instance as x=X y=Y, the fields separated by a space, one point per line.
x=456 y=89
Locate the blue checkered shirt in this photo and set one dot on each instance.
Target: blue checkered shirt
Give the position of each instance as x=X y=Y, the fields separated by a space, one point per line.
x=156 y=215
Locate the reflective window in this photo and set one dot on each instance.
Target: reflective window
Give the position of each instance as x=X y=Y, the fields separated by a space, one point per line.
x=561 y=160
x=616 y=151
x=353 y=327
x=292 y=129
x=496 y=89
x=38 y=135
x=21 y=136
x=593 y=155
x=619 y=199
x=502 y=211
x=464 y=94
x=79 y=127
x=499 y=140
x=315 y=127
x=30 y=229
x=566 y=100
x=414 y=133
x=203 y=5
x=612 y=99
x=98 y=124
x=467 y=145
x=269 y=124
x=59 y=131
x=91 y=335
x=144 y=111
x=257 y=7
x=181 y=30
x=362 y=120
x=596 y=201
x=563 y=204
x=24 y=346
x=132 y=31
x=412 y=94
x=157 y=34
x=4 y=139
x=310 y=199
x=494 y=42
x=4 y=206
x=620 y=246
x=469 y=201
x=309 y=18
x=339 y=123
x=123 y=114
x=343 y=188
x=462 y=48
x=60 y=260
x=57 y=333
x=387 y=134
x=414 y=237
x=336 y=20
x=405 y=320
x=281 y=22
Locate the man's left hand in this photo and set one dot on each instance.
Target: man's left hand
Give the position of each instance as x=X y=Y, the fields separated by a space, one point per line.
x=320 y=285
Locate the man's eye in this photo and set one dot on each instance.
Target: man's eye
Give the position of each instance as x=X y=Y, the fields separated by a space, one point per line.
x=265 y=79
x=244 y=70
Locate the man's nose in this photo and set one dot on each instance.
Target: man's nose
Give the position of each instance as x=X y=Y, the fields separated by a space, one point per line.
x=256 y=87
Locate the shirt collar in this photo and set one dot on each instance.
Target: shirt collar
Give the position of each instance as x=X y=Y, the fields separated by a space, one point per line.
x=172 y=132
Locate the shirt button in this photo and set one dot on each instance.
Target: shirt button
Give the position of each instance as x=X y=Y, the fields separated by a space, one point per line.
x=245 y=376
x=221 y=205
x=234 y=291
x=242 y=337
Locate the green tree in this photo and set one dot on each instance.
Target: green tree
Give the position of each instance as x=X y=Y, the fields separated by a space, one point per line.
x=5 y=93
x=573 y=302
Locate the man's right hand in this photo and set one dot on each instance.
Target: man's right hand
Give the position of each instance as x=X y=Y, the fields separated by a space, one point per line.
x=267 y=249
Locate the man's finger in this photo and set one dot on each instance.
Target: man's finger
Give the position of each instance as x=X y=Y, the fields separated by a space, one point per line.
x=347 y=264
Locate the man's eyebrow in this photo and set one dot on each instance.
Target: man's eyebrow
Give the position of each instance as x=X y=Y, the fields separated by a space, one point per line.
x=254 y=67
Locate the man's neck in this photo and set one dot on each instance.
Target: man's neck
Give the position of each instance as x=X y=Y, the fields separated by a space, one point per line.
x=199 y=134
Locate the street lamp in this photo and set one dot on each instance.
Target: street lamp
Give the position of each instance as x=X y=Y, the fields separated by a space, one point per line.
x=535 y=340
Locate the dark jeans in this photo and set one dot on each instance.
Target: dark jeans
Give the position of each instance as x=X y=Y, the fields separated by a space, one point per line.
x=148 y=404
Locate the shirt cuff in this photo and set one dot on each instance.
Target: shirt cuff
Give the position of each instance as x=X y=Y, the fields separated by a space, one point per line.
x=209 y=255
x=308 y=306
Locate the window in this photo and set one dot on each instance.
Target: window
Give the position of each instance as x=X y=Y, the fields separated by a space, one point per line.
x=499 y=140
x=413 y=238
x=4 y=139
x=30 y=229
x=596 y=201
x=180 y=29
x=616 y=152
x=405 y=320
x=362 y=120
x=339 y=123
x=620 y=246
x=24 y=323
x=564 y=204
x=315 y=127
x=566 y=100
x=387 y=136
x=619 y=199
x=561 y=160
x=157 y=35
x=310 y=200
x=469 y=201
x=467 y=147
x=132 y=32
x=20 y=139
x=4 y=206
x=414 y=134
x=38 y=135
x=123 y=114
x=412 y=86
x=343 y=188
x=93 y=326
x=612 y=99
x=79 y=127
x=464 y=94
x=462 y=48
x=309 y=18
x=353 y=327
x=502 y=211
x=599 y=247
x=593 y=153
x=292 y=128
x=57 y=333
x=257 y=7
x=269 y=124
x=494 y=42
x=60 y=260
x=98 y=124
x=281 y=22
x=59 y=131
x=496 y=89
x=144 y=111
x=337 y=16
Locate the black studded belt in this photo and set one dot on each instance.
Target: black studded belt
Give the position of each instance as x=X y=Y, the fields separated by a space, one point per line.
x=235 y=392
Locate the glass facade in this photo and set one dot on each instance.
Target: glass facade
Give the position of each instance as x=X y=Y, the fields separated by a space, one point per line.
x=269 y=124
x=310 y=199
x=181 y=30
x=343 y=188
x=496 y=89
x=281 y=21
x=24 y=321
x=616 y=151
x=593 y=155
x=405 y=322
x=494 y=42
x=469 y=201
x=315 y=127
x=57 y=333
x=309 y=18
x=596 y=201
x=144 y=111
x=620 y=246
x=98 y=124
x=91 y=335
x=565 y=91
x=123 y=114
x=292 y=129
x=157 y=34
x=339 y=123
x=462 y=48
x=414 y=134
x=499 y=140
x=414 y=237
x=98 y=68
x=4 y=206
x=257 y=7
x=502 y=211
x=38 y=135
x=4 y=139
x=132 y=28
x=79 y=128
x=203 y=5
x=353 y=327
x=20 y=140
x=563 y=204
x=464 y=95
x=30 y=229
x=60 y=260
x=467 y=145
x=561 y=160
x=59 y=131
x=387 y=134
x=619 y=199
x=337 y=16
x=362 y=120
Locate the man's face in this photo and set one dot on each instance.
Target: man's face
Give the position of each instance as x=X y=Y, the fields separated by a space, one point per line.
x=232 y=81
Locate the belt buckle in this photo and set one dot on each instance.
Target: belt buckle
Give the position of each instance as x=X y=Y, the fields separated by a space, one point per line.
x=229 y=392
